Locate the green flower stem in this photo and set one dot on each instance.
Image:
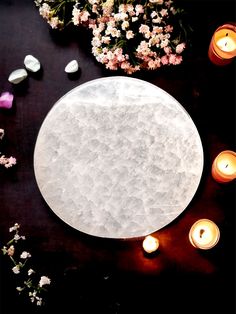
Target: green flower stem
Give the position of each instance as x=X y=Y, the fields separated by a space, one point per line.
x=14 y=262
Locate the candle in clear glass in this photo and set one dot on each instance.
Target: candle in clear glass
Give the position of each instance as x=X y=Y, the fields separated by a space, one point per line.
x=222 y=48
x=204 y=234
x=150 y=244
x=224 y=167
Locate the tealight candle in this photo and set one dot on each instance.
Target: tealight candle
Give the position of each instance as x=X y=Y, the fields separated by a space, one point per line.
x=204 y=234
x=222 y=48
x=224 y=166
x=150 y=244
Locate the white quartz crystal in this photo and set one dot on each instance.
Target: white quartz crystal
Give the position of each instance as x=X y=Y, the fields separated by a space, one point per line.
x=17 y=76
x=72 y=67
x=118 y=157
x=31 y=63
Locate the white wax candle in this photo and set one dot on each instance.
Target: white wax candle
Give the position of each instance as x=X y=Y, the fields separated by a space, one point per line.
x=204 y=234
x=224 y=166
x=222 y=48
x=150 y=244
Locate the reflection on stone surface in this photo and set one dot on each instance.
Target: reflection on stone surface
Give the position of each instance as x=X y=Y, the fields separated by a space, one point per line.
x=118 y=157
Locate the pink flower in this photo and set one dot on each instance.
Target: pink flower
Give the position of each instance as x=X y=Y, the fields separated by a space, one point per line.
x=178 y=60
x=144 y=29
x=11 y=250
x=54 y=22
x=6 y=100
x=129 y=34
x=84 y=16
x=164 y=12
x=7 y=162
x=167 y=50
x=45 y=11
x=169 y=29
x=164 y=60
x=139 y=9
x=174 y=59
x=180 y=47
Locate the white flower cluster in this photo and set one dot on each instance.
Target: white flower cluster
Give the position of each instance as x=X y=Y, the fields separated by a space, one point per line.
x=33 y=290
x=126 y=35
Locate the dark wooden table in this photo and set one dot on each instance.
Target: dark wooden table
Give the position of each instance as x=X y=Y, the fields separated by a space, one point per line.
x=95 y=275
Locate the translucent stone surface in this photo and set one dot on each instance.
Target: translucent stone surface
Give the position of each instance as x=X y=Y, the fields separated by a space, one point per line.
x=118 y=157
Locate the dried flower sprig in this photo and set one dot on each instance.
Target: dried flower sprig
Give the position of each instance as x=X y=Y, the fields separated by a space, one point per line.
x=57 y=13
x=7 y=162
x=127 y=35
x=33 y=287
x=137 y=36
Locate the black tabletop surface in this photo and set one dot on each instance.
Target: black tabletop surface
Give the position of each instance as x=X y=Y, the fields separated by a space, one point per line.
x=96 y=275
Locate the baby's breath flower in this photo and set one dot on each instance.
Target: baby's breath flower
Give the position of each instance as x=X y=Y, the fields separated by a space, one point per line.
x=39 y=301
x=14 y=228
x=16 y=237
x=16 y=269
x=31 y=286
x=44 y=280
x=30 y=272
x=127 y=36
x=25 y=255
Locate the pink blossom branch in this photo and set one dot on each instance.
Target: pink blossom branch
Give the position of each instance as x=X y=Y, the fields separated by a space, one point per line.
x=7 y=162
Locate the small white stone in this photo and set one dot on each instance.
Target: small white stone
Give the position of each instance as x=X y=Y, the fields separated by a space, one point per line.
x=72 y=67
x=17 y=76
x=31 y=63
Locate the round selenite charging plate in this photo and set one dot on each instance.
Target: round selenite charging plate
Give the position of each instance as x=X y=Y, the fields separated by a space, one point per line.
x=118 y=157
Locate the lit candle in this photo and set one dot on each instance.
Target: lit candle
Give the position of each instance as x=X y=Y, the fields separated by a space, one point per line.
x=222 y=48
x=224 y=166
x=204 y=234
x=150 y=244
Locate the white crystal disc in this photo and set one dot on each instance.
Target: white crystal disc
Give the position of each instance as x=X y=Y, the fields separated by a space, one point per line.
x=118 y=157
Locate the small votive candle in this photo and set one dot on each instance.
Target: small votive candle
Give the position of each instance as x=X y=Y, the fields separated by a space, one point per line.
x=222 y=48
x=204 y=234
x=150 y=244
x=224 y=167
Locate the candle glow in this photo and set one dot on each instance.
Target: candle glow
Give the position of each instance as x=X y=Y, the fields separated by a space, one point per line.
x=150 y=244
x=224 y=167
x=204 y=234
x=222 y=48
x=226 y=44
